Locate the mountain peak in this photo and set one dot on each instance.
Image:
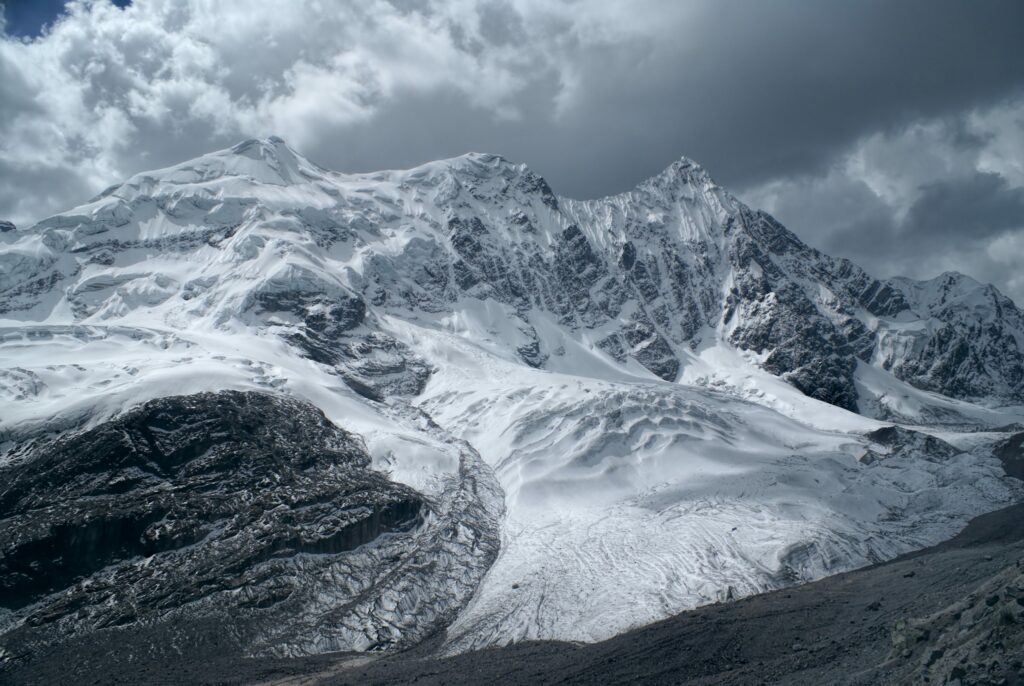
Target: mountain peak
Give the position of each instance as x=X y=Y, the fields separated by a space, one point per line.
x=273 y=155
x=483 y=164
x=683 y=170
x=259 y=147
x=264 y=161
x=261 y=160
x=482 y=158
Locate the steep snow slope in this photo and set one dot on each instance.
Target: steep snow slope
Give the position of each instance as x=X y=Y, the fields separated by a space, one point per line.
x=650 y=390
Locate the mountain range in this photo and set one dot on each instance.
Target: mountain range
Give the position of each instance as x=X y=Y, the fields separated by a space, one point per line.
x=336 y=411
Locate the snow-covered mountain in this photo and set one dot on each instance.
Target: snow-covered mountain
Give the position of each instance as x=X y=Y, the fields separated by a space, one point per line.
x=644 y=278
x=558 y=418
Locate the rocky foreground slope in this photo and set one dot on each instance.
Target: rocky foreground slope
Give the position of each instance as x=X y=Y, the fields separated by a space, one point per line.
x=945 y=615
x=348 y=411
x=245 y=509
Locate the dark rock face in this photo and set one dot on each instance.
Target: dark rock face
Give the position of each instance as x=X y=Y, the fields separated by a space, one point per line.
x=804 y=308
x=240 y=505
x=1011 y=453
x=531 y=354
x=381 y=367
x=329 y=324
x=774 y=316
x=973 y=353
x=320 y=311
x=165 y=476
x=6 y=226
x=882 y=300
x=905 y=442
x=651 y=350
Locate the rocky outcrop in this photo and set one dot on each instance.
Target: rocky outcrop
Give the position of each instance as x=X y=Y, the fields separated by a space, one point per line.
x=896 y=441
x=245 y=508
x=1011 y=454
x=971 y=347
x=328 y=324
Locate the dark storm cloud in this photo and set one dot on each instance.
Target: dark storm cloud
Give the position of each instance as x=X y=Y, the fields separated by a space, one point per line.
x=977 y=207
x=918 y=203
x=781 y=88
x=947 y=217
x=751 y=90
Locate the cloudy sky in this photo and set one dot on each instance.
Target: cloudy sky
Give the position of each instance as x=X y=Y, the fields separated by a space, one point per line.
x=891 y=133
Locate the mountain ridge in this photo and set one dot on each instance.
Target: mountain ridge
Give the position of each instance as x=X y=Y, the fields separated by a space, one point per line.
x=705 y=261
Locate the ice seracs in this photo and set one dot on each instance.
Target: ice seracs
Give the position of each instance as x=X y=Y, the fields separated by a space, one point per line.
x=653 y=400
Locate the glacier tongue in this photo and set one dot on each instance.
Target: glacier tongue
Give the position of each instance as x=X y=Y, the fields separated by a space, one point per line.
x=657 y=399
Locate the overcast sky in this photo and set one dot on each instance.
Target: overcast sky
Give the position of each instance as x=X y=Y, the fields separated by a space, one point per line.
x=888 y=132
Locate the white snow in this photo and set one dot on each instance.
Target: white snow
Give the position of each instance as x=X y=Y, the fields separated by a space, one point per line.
x=632 y=501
